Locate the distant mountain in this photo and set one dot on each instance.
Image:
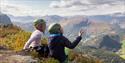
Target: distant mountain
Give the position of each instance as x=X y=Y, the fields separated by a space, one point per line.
x=111 y=43
x=67 y=20
x=5 y=20
x=70 y=23
x=28 y=26
x=22 y=19
x=26 y=22
x=106 y=42
x=74 y=24
x=53 y=18
x=26 y=19
x=109 y=17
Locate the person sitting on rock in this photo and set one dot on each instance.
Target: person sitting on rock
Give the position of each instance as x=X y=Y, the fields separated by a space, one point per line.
x=58 y=42
x=34 y=41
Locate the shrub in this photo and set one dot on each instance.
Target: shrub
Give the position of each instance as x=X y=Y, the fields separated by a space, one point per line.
x=13 y=37
x=122 y=50
x=20 y=40
x=82 y=58
x=48 y=60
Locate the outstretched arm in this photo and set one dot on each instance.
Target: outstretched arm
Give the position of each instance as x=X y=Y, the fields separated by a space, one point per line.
x=72 y=45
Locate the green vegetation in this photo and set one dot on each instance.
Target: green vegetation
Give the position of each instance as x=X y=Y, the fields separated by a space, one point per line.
x=13 y=37
x=123 y=44
x=81 y=58
x=122 y=51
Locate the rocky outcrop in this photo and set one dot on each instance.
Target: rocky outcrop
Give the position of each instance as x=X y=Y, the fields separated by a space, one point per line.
x=111 y=43
x=10 y=56
x=5 y=20
x=105 y=56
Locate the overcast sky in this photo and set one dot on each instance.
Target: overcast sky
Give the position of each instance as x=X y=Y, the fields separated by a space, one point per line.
x=61 y=7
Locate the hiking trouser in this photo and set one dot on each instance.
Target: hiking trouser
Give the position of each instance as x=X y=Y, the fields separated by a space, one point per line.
x=42 y=50
x=66 y=61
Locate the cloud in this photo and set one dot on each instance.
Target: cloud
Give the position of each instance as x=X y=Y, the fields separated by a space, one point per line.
x=65 y=8
x=101 y=2
x=19 y=10
x=70 y=3
x=89 y=7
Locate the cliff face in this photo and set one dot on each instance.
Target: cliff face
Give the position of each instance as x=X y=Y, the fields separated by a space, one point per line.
x=111 y=43
x=5 y=20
